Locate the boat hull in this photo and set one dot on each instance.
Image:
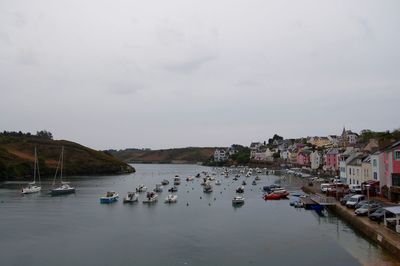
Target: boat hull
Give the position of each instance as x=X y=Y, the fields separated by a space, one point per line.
x=107 y=200
x=59 y=192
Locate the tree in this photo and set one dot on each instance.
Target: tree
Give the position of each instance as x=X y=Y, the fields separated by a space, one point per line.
x=44 y=134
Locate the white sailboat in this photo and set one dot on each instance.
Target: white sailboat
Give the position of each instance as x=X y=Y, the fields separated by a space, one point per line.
x=32 y=187
x=64 y=187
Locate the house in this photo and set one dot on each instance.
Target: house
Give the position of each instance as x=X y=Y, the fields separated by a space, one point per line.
x=391 y=160
x=319 y=141
x=331 y=160
x=344 y=158
x=303 y=158
x=263 y=154
x=366 y=168
x=378 y=168
x=220 y=155
x=285 y=155
x=255 y=145
x=315 y=160
x=348 y=138
x=334 y=140
x=232 y=150
x=354 y=170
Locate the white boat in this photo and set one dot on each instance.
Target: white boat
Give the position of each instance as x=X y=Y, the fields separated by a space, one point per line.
x=165 y=182
x=171 y=198
x=207 y=188
x=211 y=178
x=131 y=197
x=64 y=187
x=240 y=189
x=32 y=187
x=258 y=178
x=238 y=200
x=218 y=182
x=110 y=197
x=151 y=197
x=189 y=178
x=141 y=188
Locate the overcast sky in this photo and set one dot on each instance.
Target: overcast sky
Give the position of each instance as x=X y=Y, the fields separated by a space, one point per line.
x=168 y=73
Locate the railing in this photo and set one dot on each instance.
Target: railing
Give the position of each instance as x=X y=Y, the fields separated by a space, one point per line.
x=322 y=200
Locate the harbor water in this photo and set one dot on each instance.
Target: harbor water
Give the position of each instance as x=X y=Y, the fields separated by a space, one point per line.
x=200 y=229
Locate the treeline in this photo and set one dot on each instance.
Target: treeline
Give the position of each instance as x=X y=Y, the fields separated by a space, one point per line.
x=381 y=136
x=43 y=134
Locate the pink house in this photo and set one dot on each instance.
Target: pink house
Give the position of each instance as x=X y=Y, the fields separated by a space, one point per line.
x=391 y=161
x=303 y=158
x=331 y=160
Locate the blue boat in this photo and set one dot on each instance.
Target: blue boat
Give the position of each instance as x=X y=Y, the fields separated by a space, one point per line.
x=110 y=197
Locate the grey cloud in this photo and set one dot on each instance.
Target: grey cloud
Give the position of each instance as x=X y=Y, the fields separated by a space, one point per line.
x=190 y=65
x=124 y=88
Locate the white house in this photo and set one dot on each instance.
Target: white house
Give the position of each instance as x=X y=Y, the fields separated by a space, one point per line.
x=378 y=167
x=316 y=160
x=262 y=155
x=220 y=155
x=285 y=155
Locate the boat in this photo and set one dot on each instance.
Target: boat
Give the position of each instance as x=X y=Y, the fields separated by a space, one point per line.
x=189 y=178
x=32 y=187
x=63 y=188
x=141 y=188
x=177 y=180
x=173 y=189
x=254 y=183
x=240 y=189
x=207 y=188
x=165 y=182
x=151 y=197
x=131 y=197
x=171 y=198
x=235 y=178
x=258 y=177
x=158 y=188
x=238 y=200
x=218 y=182
x=276 y=195
x=110 y=197
x=244 y=183
x=198 y=175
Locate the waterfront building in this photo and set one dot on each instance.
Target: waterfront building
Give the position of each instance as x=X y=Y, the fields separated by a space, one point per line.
x=344 y=158
x=391 y=159
x=263 y=154
x=220 y=155
x=303 y=158
x=331 y=160
x=315 y=160
x=354 y=170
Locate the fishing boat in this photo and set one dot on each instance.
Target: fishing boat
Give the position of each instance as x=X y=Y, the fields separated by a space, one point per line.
x=141 y=188
x=173 y=189
x=238 y=200
x=165 y=182
x=131 y=197
x=32 y=187
x=207 y=188
x=171 y=198
x=240 y=189
x=158 y=188
x=177 y=181
x=151 y=197
x=63 y=188
x=218 y=182
x=110 y=197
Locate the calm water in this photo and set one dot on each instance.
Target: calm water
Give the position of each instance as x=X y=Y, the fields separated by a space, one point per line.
x=201 y=229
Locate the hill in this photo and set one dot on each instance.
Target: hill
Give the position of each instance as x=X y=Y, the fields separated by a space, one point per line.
x=17 y=155
x=179 y=155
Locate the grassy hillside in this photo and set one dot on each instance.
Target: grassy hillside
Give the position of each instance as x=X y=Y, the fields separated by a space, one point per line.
x=17 y=155
x=181 y=155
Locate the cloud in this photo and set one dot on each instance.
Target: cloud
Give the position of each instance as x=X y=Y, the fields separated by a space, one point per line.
x=190 y=65
x=124 y=88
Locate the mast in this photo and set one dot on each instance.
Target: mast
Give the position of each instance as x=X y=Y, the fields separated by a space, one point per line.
x=34 y=167
x=62 y=162
x=37 y=167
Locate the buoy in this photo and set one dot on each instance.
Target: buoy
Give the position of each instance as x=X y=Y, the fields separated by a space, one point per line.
x=201 y=197
x=215 y=198
x=187 y=204
x=209 y=204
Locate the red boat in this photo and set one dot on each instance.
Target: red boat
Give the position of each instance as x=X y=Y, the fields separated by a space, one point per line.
x=276 y=195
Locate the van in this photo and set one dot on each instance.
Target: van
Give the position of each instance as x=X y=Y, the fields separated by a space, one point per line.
x=355 y=188
x=352 y=202
x=324 y=187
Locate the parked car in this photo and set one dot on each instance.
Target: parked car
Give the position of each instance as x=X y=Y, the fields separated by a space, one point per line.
x=363 y=202
x=367 y=208
x=325 y=186
x=355 y=188
x=352 y=202
x=377 y=215
x=345 y=199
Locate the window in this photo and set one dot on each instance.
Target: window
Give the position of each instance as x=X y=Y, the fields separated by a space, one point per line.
x=357 y=182
x=374 y=163
x=396 y=180
x=397 y=155
x=349 y=171
x=375 y=175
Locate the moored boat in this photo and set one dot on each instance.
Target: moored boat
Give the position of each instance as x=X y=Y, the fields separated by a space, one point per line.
x=189 y=178
x=141 y=188
x=165 y=182
x=131 y=197
x=63 y=188
x=173 y=189
x=240 y=189
x=177 y=181
x=171 y=198
x=32 y=187
x=151 y=197
x=207 y=188
x=110 y=197
x=218 y=182
x=238 y=200
x=158 y=188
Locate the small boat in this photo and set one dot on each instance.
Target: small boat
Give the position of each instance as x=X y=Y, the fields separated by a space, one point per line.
x=158 y=188
x=244 y=183
x=211 y=178
x=240 y=189
x=207 y=188
x=276 y=195
x=198 y=176
x=177 y=180
x=151 y=197
x=235 y=178
x=171 y=198
x=258 y=177
x=165 y=182
x=141 y=188
x=254 y=183
x=131 y=197
x=64 y=188
x=238 y=200
x=32 y=187
x=110 y=197
x=189 y=178
x=218 y=182
x=173 y=189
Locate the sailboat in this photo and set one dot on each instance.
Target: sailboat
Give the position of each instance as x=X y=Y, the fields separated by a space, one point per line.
x=64 y=187
x=32 y=187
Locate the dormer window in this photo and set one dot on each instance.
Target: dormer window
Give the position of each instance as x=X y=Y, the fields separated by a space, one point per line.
x=397 y=155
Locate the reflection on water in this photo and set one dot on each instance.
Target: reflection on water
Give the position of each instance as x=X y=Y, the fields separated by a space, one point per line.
x=200 y=229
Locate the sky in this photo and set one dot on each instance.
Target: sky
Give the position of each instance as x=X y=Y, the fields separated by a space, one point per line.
x=162 y=74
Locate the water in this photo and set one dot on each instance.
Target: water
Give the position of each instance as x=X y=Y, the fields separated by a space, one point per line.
x=200 y=229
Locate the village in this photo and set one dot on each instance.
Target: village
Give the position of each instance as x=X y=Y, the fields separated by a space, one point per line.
x=371 y=166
